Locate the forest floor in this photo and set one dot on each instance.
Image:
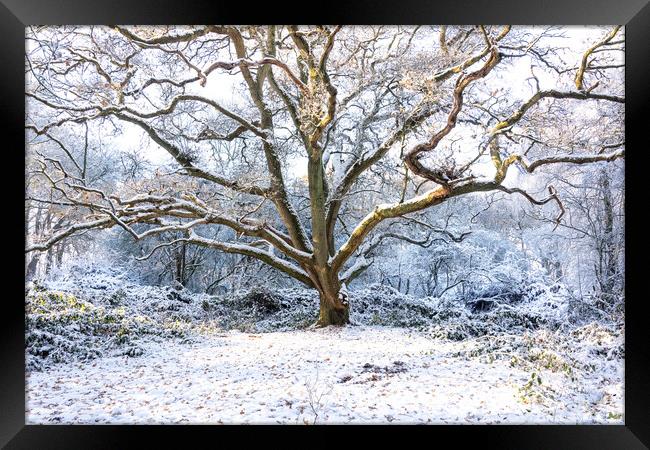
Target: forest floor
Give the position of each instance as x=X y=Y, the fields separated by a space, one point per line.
x=356 y=374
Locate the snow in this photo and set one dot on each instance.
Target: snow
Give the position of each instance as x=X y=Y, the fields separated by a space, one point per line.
x=357 y=374
x=102 y=348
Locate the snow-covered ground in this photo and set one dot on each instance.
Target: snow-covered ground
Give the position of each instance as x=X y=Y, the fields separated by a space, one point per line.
x=357 y=374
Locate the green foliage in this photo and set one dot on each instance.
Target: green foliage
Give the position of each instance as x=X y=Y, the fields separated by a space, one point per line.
x=533 y=391
x=62 y=327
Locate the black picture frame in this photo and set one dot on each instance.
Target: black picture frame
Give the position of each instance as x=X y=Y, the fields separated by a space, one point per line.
x=16 y=14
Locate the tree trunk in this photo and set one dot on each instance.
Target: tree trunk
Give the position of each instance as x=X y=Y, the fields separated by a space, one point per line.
x=332 y=314
x=607 y=249
x=179 y=274
x=334 y=306
x=30 y=272
x=59 y=254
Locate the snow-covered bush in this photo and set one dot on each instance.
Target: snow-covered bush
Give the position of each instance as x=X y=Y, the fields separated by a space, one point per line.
x=261 y=310
x=96 y=311
x=61 y=327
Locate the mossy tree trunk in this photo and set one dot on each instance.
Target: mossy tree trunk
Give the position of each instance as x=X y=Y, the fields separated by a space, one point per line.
x=333 y=315
x=334 y=305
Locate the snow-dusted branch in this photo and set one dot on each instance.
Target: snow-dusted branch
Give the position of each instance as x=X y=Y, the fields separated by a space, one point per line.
x=267 y=257
x=189 y=165
x=363 y=261
x=229 y=65
x=103 y=111
x=502 y=166
x=552 y=197
x=580 y=74
x=168 y=38
x=144 y=208
x=550 y=93
x=412 y=158
x=433 y=229
x=67 y=232
x=382 y=212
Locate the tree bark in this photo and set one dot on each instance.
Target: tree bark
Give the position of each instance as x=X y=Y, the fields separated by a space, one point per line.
x=332 y=315
x=609 y=265
x=334 y=306
x=179 y=275
x=30 y=272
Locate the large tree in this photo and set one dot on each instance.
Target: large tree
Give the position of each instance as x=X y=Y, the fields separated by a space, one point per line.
x=430 y=112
